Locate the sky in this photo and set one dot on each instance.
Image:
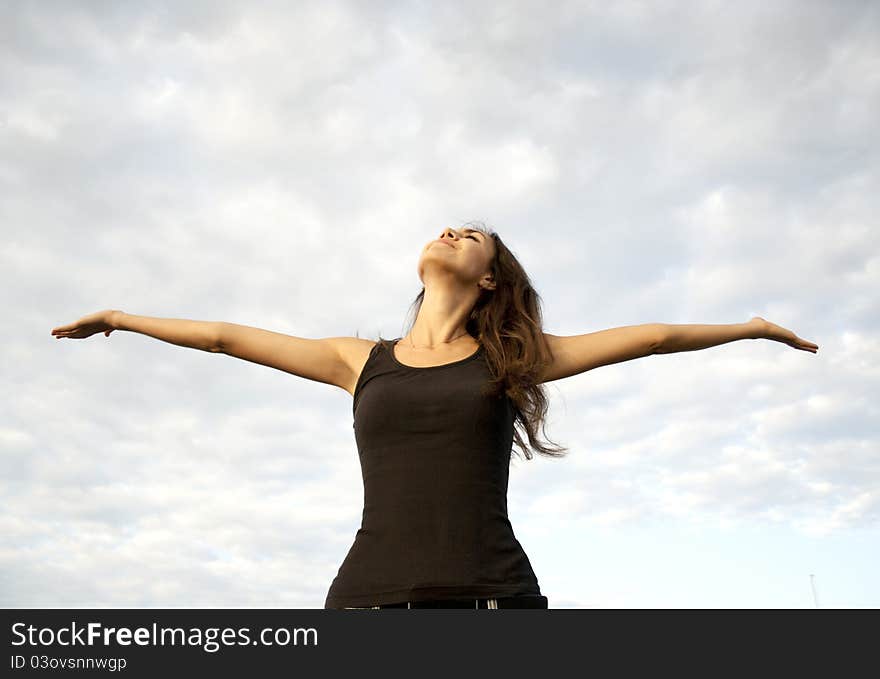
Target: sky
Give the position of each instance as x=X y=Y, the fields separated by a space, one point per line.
x=282 y=165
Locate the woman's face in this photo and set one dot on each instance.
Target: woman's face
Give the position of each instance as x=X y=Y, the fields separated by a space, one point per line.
x=464 y=251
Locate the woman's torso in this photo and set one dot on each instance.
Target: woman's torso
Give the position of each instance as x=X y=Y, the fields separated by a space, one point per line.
x=434 y=454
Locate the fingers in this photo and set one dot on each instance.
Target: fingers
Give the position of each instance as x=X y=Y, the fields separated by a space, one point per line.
x=810 y=346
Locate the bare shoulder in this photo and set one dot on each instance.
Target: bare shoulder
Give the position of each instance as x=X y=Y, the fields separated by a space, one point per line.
x=354 y=352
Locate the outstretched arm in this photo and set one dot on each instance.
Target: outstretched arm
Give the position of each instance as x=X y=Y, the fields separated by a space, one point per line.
x=203 y=335
x=576 y=354
x=322 y=360
x=675 y=338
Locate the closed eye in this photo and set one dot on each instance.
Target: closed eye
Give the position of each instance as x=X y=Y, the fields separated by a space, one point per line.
x=474 y=237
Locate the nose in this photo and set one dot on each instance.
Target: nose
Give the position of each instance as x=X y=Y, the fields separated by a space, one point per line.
x=449 y=232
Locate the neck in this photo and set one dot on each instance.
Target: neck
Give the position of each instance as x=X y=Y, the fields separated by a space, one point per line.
x=441 y=320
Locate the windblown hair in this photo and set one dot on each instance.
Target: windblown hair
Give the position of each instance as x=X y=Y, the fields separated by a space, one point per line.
x=507 y=321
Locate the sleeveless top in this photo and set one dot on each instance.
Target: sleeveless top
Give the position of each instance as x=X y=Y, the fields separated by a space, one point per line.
x=434 y=455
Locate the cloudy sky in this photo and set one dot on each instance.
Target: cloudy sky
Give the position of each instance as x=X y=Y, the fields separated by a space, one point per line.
x=282 y=165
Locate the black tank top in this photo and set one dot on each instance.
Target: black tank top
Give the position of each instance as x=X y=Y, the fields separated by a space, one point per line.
x=434 y=455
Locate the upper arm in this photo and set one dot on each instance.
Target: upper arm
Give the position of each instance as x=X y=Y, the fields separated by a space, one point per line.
x=328 y=360
x=575 y=354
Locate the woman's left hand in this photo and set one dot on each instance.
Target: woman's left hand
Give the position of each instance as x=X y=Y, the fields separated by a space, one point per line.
x=767 y=330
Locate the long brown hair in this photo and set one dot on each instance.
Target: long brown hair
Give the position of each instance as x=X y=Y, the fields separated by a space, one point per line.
x=507 y=321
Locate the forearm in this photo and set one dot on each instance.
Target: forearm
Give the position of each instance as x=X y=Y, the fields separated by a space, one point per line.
x=203 y=335
x=674 y=338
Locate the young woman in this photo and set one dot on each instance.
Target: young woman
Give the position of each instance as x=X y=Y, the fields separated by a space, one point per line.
x=435 y=414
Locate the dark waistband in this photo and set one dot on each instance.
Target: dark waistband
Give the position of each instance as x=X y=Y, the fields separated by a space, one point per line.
x=522 y=601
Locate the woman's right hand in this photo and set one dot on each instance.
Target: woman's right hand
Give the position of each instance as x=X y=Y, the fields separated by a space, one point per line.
x=100 y=321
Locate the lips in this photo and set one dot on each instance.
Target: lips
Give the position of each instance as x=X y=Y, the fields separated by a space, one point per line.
x=445 y=242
